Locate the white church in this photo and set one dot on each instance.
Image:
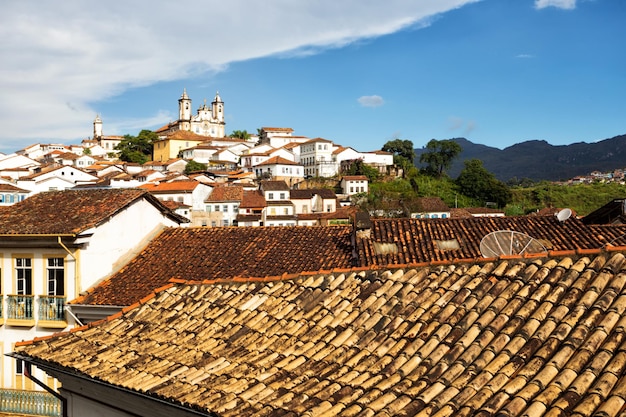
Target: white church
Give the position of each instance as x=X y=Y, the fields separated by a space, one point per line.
x=208 y=121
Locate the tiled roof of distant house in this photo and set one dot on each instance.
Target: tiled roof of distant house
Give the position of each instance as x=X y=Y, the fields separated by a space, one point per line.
x=514 y=337
x=69 y=211
x=12 y=188
x=274 y=186
x=224 y=252
x=226 y=193
x=431 y=204
x=172 y=186
x=252 y=199
x=354 y=177
x=325 y=193
x=277 y=160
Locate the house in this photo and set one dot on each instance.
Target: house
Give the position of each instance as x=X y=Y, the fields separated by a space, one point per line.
x=430 y=208
x=10 y=194
x=277 y=137
x=54 y=245
x=13 y=161
x=354 y=184
x=319 y=200
x=613 y=212
x=171 y=145
x=76 y=160
x=227 y=253
x=189 y=192
x=279 y=210
x=280 y=169
x=251 y=209
x=316 y=157
x=55 y=177
x=222 y=205
x=495 y=337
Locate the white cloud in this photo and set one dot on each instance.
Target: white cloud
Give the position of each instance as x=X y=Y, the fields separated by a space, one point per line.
x=560 y=4
x=524 y=56
x=60 y=58
x=371 y=101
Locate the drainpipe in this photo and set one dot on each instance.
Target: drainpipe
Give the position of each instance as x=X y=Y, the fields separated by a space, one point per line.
x=29 y=375
x=76 y=274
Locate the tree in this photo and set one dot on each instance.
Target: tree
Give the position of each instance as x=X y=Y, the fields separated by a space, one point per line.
x=138 y=148
x=476 y=182
x=193 y=166
x=357 y=167
x=240 y=134
x=403 y=153
x=439 y=155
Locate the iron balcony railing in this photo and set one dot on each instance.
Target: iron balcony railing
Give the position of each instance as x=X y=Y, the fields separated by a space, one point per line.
x=36 y=403
x=51 y=308
x=20 y=307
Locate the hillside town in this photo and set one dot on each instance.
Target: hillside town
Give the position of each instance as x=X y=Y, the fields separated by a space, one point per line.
x=256 y=287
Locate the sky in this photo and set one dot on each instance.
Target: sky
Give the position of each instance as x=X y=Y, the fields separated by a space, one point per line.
x=357 y=72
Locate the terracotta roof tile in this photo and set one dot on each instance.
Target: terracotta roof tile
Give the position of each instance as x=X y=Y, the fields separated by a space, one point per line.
x=191 y=253
x=510 y=337
x=74 y=210
x=226 y=193
x=172 y=186
x=252 y=199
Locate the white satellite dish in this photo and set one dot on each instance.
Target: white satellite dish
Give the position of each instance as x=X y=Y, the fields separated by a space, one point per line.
x=508 y=242
x=564 y=214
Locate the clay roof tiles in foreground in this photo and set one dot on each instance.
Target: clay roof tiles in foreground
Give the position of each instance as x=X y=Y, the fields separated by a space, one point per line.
x=514 y=337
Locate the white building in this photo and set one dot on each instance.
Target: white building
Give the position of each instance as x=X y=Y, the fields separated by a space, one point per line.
x=316 y=157
x=56 y=245
x=208 y=120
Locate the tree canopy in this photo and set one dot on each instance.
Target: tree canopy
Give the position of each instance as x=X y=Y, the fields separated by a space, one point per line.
x=403 y=153
x=138 y=148
x=476 y=182
x=193 y=166
x=240 y=134
x=439 y=156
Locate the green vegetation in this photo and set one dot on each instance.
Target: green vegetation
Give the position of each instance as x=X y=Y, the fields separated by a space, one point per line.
x=400 y=194
x=582 y=198
x=439 y=156
x=403 y=153
x=138 y=148
x=193 y=166
x=240 y=134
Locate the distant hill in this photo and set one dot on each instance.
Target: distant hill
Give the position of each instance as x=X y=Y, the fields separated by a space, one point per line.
x=538 y=160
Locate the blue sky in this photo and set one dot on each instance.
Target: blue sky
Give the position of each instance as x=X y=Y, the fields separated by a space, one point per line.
x=359 y=73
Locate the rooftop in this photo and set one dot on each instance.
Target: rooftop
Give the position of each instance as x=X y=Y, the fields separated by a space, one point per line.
x=508 y=337
x=74 y=210
x=227 y=253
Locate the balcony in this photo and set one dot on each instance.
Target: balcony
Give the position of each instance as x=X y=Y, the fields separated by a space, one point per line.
x=36 y=403
x=51 y=311
x=20 y=310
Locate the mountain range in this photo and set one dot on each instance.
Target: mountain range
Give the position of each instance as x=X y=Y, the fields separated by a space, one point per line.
x=538 y=160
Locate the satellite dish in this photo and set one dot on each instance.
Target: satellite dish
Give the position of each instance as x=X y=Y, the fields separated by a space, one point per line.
x=564 y=214
x=508 y=242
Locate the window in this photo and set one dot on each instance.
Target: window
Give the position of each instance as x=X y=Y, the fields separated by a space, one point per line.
x=282 y=196
x=217 y=207
x=270 y=196
x=286 y=210
x=24 y=276
x=226 y=222
x=56 y=276
x=225 y=208
x=329 y=208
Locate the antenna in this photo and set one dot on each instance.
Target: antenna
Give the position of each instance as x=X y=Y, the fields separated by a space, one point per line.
x=564 y=214
x=509 y=242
